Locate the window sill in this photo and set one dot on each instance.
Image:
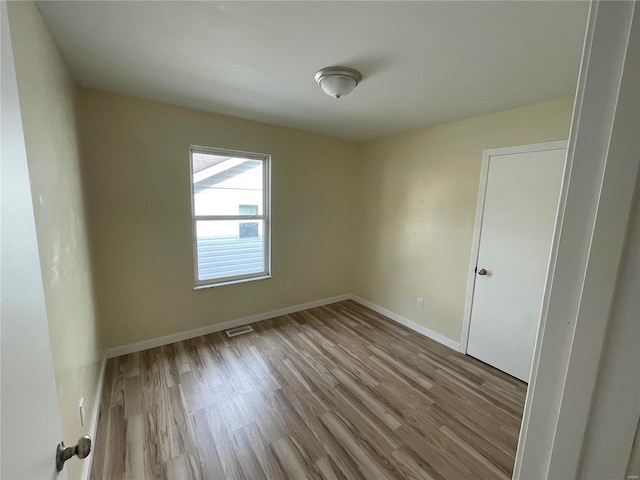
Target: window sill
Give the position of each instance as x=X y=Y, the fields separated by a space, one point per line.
x=231 y=282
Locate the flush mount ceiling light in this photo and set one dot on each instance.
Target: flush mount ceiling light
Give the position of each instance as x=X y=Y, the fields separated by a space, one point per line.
x=338 y=81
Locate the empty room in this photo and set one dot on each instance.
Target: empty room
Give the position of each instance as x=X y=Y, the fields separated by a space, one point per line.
x=320 y=240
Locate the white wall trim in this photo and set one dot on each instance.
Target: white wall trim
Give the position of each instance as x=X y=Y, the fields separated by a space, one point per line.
x=95 y=416
x=477 y=228
x=594 y=210
x=475 y=249
x=446 y=341
x=528 y=148
x=177 y=337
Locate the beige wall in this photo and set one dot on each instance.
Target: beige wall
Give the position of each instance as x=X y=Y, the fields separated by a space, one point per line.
x=418 y=194
x=47 y=96
x=389 y=220
x=137 y=180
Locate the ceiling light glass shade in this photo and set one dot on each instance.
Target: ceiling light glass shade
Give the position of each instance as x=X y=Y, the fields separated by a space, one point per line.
x=338 y=85
x=338 y=81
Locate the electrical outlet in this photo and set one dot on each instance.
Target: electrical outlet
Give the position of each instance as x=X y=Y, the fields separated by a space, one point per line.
x=287 y=288
x=419 y=303
x=82 y=411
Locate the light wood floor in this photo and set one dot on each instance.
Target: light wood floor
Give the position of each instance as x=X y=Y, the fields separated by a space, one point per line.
x=333 y=392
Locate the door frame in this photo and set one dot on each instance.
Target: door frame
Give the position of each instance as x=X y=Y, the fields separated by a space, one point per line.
x=603 y=159
x=477 y=228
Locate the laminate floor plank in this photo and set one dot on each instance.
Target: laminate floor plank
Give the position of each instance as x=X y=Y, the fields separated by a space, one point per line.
x=210 y=464
x=331 y=393
x=134 y=452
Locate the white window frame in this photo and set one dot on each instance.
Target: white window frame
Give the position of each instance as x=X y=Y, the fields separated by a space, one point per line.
x=266 y=217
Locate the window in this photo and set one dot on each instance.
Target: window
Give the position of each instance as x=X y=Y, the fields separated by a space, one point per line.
x=230 y=205
x=248 y=229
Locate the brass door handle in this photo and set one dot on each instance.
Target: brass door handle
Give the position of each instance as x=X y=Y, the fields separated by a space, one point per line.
x=82 y=450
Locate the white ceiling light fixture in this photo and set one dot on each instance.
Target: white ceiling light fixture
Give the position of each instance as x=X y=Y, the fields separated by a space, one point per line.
x=338 y=81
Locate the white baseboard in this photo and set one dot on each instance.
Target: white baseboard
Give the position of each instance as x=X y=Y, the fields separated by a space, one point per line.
x=177 y=337
x=95 y=415
x=156 y=342
x=446 y=341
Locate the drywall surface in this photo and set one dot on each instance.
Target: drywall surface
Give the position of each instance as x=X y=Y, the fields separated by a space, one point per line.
x=30 y=411
x=417 y=199
x=137 y=178
x=47 y=95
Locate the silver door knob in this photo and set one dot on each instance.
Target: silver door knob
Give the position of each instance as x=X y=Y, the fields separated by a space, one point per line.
x=82 y=450
x=482 y=271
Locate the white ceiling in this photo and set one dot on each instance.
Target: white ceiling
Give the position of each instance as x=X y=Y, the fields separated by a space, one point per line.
x=423 y=62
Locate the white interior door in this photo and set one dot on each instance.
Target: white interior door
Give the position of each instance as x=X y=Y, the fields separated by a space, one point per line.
x=31 y=427
x=520 y=208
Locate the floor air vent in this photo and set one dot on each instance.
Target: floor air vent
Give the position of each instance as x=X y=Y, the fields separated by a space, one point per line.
x=239 y=331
